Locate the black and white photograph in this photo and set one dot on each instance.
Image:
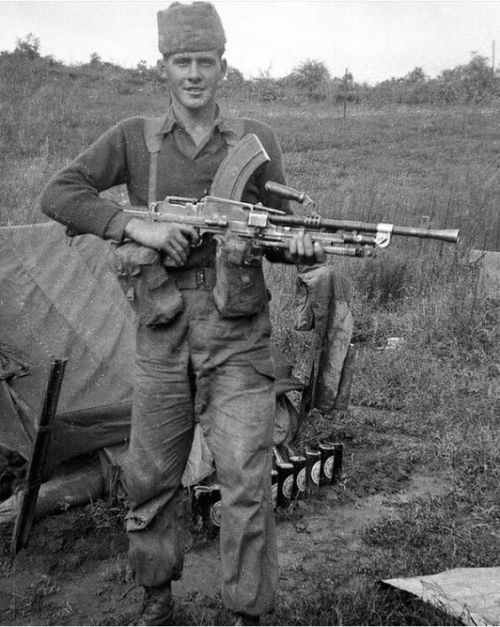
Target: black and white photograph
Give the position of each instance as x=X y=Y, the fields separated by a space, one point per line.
x=249 y=312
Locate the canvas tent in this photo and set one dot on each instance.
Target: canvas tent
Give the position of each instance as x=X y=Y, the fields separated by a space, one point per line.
x=58 y=298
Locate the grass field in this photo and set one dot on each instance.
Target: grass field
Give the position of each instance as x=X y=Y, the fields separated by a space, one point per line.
x=430 y=407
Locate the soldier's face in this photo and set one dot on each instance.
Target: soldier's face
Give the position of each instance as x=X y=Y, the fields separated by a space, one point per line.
x=193 y=77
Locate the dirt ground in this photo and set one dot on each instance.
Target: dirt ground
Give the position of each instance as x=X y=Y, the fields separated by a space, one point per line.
x=74 y=571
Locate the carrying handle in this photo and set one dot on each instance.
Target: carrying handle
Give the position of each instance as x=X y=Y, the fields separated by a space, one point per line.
x=284 y=191
x=289 y=193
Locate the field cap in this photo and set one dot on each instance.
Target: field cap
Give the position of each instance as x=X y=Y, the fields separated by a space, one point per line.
x=190 y=28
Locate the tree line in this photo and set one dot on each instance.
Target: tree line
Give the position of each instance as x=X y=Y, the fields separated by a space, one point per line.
x=473 y=82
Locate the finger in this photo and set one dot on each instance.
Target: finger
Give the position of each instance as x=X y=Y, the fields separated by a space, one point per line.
x=308 y=246
x=169 y=262
x=190 y=232
x=300 y=245
x=319 y=253
x=174 y=232
x=173 y=254
x=176 y=246
x=293 y=247
x=180 y=243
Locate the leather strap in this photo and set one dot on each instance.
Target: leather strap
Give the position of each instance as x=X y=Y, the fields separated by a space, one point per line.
x=153 y=138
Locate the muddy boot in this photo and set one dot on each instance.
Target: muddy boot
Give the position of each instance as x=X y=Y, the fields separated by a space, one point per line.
x=157 y=606
x=245 y=619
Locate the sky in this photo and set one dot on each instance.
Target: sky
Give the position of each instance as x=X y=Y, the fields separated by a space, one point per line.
x=373 y=39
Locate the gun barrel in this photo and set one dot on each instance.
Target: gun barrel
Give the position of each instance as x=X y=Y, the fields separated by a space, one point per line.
x=317 y=222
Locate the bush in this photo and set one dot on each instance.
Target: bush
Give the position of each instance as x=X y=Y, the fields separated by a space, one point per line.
x=28 y=47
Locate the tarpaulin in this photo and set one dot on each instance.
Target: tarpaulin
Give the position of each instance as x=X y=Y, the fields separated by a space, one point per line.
x=472 y=595
x=58 y=298
x=487 y=263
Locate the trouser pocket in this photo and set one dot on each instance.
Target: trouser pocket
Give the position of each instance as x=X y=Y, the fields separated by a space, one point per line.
x=240 y=288
x=146 y=283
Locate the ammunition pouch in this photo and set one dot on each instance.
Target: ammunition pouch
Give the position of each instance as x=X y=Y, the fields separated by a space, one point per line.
x=240 y=288
x=146 y=283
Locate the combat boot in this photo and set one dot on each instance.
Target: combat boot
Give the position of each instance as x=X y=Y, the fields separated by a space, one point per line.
x=157 y=606
x=245 y=619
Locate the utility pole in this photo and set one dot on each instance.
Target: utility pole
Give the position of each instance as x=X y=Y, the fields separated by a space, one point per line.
x=493 y=56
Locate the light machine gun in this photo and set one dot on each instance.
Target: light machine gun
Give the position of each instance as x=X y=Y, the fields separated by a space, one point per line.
x=222 y=213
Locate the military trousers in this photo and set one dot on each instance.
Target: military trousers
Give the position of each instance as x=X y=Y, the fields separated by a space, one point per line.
x=218 y=371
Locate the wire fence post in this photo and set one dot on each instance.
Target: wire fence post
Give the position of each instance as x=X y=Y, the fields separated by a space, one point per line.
x=345 y=93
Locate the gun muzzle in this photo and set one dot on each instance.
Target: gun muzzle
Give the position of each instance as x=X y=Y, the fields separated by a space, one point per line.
x=445 y=235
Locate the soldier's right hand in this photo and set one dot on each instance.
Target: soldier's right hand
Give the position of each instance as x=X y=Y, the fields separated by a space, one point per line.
x=173 y=239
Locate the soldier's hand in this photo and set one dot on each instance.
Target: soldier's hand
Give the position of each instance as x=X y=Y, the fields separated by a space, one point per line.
x=303 y=250
x=173 y=239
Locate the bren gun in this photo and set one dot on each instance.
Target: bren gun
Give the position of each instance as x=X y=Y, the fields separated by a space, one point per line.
x=222 y=212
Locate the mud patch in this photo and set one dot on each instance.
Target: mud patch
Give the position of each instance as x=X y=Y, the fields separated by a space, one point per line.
x=75 y=575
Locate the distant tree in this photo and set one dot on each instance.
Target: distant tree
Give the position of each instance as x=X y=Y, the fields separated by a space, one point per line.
x=479 y=79
x=474 y=82
x=234 y=77
x=143 y=70
x=235 y=83
x=417 y=75
x=95 y=60
x=309 y=76
x=265 y=87
x=414 y=87
x=28 y=47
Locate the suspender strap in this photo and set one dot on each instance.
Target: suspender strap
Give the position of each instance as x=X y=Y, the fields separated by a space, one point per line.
x=153 y=138
x=153 y=170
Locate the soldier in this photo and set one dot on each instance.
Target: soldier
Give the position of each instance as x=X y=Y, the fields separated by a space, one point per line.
x=192 y=360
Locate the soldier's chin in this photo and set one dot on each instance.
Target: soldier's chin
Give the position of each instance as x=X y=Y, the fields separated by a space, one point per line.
x=194 y=102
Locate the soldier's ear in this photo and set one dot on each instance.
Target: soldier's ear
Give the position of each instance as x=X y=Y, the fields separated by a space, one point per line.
x=223 y=69
x=161 y=68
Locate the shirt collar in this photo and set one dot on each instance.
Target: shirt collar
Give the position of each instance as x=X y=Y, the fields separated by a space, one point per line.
x=229 y=127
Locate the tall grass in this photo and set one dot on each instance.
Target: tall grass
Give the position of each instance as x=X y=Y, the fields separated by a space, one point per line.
x=393 y=164
x=49 y=113
x=434 y=400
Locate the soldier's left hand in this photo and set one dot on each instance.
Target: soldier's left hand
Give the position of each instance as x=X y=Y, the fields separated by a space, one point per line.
x=303 y=250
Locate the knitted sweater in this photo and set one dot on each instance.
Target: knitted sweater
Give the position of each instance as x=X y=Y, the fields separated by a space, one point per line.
x=120 y=156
